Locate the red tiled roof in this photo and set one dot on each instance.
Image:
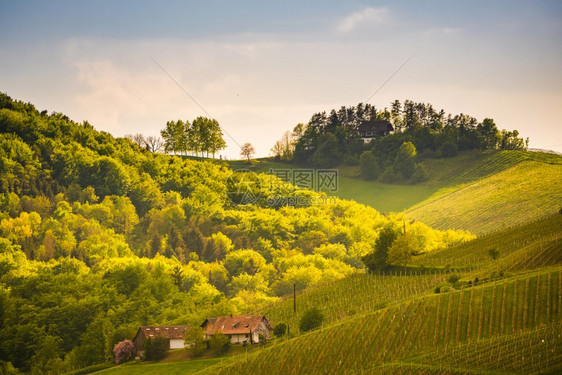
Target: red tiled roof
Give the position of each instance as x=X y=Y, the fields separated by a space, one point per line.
x=169 y=332
x=242 y=324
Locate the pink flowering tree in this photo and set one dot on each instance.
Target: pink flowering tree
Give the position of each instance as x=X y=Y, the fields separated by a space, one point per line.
x=124 y=351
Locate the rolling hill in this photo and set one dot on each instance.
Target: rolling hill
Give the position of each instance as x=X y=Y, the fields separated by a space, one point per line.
x=398 y=323
x=475 y=191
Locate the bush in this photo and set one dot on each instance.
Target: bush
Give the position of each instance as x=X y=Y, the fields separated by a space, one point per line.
x=194 y=341
x=370 y=169
x=420 y=173
x=124 y=351
x=404 y=163
x=311 y=319
x=155 y=348
x=388 y=175
x=494 y=253
x=448 y=149
x=280 y=330
x=453 y=279
x=219 y=343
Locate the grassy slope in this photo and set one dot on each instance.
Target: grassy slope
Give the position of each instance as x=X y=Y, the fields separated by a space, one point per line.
x=383 y=197
x=479 y=192
x=189 y=367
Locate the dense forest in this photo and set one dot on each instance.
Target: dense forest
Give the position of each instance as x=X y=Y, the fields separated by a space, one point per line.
x=99 y=235
x=330 y=139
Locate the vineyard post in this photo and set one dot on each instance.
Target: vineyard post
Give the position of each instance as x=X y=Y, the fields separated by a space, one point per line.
x=548 y=299
x=537 y=299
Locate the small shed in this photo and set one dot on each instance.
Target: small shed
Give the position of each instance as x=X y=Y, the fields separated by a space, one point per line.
x=239 y=329
x=174 y=334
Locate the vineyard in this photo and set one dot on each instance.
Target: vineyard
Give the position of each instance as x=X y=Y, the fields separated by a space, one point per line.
x=370 y=293
x=514 y=196
x=455 y=322
x=522 y=247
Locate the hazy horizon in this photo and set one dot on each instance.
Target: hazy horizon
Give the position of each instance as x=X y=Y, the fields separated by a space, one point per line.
x=260 y=69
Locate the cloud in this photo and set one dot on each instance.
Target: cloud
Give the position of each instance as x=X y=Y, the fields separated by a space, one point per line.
x=366 y=16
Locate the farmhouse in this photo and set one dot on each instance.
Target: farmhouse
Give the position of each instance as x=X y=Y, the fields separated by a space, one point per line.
x=174 y=334
x=374 y=128
x=239 y=329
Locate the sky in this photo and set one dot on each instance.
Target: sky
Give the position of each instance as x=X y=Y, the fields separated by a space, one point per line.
x=260 y=68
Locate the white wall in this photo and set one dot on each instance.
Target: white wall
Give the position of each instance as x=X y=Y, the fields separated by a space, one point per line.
x=176 y=344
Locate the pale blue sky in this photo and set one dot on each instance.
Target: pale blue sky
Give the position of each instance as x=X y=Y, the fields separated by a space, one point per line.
x=260 y=68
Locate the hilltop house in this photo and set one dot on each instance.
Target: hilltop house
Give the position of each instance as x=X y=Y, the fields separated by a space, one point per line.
x=239 y=329
x=374 y=128
x=174 y=334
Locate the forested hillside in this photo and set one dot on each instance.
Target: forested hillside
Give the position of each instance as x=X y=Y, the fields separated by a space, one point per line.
x=99 y=236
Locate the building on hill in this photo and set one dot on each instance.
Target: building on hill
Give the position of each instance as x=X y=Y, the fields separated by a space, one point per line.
x=239 y=329
x=374 y=128
x=174 y=334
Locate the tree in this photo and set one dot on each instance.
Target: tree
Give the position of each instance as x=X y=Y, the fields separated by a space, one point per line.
x=311 y=319
x=155 y=348
x=448 y=149
x=402 y=249
x=490 y=136
x=377 y=259
x=154 y=144
x=219 y=343
x=123 y=351
x=284 y=148
x=208 y=134
x=194 y=341
x=511 y=141
x=370 y=169
x=405 y=161
x=247 y=150
x=174 y=135
x=327 y=152
x=280 y=330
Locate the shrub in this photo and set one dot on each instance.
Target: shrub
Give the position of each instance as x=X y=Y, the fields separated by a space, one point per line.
x=388 y=175
x=453 y=279
x=280 y=330
x=420 y=173
x=195 y=340
x=494 y=253
x=124 y=351
x=219 y=343
x=311 y=319
x=370 y=169
x=404 y=163
x=155 y=348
